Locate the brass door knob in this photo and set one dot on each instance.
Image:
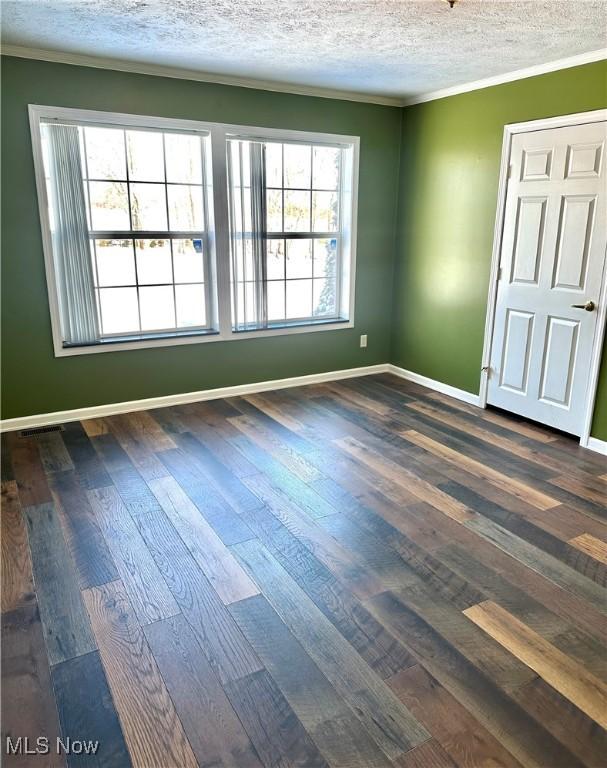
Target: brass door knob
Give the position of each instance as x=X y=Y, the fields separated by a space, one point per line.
x=589 y=306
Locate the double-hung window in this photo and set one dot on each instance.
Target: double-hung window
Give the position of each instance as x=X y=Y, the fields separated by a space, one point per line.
x=161 y=231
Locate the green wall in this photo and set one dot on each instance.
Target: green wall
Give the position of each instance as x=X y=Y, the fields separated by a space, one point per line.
x=450 y=157
x=34 y=381
x=440 y=214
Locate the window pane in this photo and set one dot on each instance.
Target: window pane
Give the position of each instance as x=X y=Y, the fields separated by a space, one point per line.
x=299 y=258
x=115 y=262
x=276 y=300
x=324 y=211
x=157 y=308
x=274 y=210
x=276 y=259
x=185 y=208
x=153 y=261
x=148 y=207
x=299 y=298
x=183 y=159
x=325 y=167
x=325 y=292
x=119 y=310
x=298 y=166
x=273 y=165
x=297 y=211
x=105 y=153
x=145 y=155
x=325 y=257
x=190 y=305
x=188 y=261
x=109 y=206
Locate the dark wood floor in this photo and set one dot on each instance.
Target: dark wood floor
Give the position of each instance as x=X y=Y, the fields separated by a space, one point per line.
x=363 y=573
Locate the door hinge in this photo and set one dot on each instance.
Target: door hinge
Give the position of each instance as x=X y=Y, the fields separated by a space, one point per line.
x=509 y=175
x=486 y=369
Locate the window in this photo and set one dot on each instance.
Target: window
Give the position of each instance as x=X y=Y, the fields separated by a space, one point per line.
x=162 y=231
x=286 y=227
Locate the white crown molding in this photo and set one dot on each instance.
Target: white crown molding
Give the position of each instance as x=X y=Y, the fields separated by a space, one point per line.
x=120 y=65
x=140 y=68
x=508 y=77
x=111 y=409
x=437 y=386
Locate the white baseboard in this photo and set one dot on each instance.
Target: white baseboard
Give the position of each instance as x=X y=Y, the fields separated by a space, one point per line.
x=97 y=411
x=437 y=386
x=594 y=444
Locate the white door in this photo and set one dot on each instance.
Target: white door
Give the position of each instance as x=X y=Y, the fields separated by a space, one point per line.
x=551 y=266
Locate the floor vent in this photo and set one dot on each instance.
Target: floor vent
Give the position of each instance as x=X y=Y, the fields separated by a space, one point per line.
x=40 y=430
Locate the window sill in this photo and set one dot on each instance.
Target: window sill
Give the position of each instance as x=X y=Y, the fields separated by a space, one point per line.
x=129 y=343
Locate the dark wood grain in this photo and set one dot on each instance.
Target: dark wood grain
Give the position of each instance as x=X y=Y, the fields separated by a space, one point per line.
x=28 y=705
x=212 y=727
x=152 y=729
x=87 y=713
x=361 y=573
x=85 y=541
x=67 y=629
x=278 y=736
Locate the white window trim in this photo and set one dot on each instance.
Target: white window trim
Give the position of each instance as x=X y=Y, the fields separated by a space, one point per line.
x=217 y=224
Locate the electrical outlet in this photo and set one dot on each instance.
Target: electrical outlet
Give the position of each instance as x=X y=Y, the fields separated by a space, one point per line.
x=363 y=341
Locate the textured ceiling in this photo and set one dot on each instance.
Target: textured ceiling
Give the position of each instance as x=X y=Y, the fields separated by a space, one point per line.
x=377 y=47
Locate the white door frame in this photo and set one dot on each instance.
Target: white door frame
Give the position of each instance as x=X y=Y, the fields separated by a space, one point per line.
x=510 y=130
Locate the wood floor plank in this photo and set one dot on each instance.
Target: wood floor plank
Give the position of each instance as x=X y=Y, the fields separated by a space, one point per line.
x=332 y=724
x=423 y=490
x=519 y=734
x=210 y=723
x=216 y=561
x=144 y=460
x=29 y=472
x=557 y=669
x=530 y=532
x=592 y=546
x=225 y=521
x=579 y=733
x=507 y=672
x=302 y=562
x=509 y=484
x=152 y=730
x=53 y=453
x=380 y=650
x=90 y=470
x=267 y=441
x=87 y=713
x=467 y=742
x=17 y=580
x=430 y=754
x=520 y=427
x=268 y=406
x=274 y=729
x=67 y=629
x=129 y=483
x=148 y=594
x=28 y=703
x=343 y=563
x=543 y=563
x=85 y=541
x=282 y=480
x=223 y=643
x=217 y=474
x=94 y=427
x=388 y=722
